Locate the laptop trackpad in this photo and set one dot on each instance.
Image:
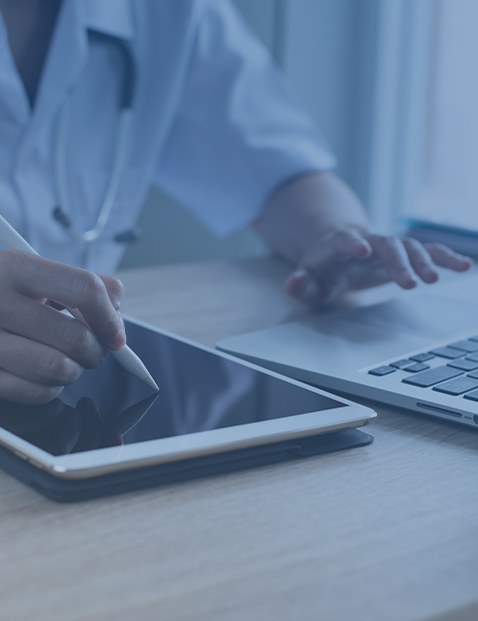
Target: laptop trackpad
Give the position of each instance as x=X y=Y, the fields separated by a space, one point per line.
x=332 y=343
x=427 y=316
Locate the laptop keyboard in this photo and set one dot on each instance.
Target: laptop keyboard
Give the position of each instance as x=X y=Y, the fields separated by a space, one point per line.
x=456 y=373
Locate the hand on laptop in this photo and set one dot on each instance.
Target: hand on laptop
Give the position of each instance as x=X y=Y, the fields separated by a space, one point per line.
x=350 y=259
x=318 y=223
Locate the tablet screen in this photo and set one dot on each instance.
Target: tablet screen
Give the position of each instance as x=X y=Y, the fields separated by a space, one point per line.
x=199 y=391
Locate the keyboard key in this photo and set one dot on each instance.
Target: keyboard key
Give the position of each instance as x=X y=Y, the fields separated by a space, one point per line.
x=472 y=396
x=473 y=357
x=469 y=346
x=474 y=338
x=457 y=386
x=416 y=368
x=379 y=371
x=432 y=376
x=464 y=365
x=473 y=375
x=422 y=357
x=401 y=364
x=448 y=352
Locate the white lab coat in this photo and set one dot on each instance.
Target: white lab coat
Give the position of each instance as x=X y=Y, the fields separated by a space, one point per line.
x=213 y=123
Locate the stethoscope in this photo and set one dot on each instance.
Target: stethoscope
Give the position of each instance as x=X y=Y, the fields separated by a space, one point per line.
x=62 y=213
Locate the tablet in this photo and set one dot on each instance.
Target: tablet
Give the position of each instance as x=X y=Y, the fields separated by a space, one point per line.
x=108 y=432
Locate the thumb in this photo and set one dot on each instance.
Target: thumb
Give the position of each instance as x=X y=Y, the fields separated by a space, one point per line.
x=321 y=273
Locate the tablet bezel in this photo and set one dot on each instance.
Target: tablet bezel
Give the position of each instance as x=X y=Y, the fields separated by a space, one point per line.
x=177 y=448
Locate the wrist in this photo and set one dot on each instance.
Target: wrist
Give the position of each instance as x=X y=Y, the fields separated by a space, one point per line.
x=308 y=209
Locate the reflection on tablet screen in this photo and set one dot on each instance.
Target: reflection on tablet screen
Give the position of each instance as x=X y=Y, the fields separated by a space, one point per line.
x=199 y=391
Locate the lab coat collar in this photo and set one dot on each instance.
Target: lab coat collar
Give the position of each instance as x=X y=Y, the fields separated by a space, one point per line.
x=65 y=60
x=69 y=51
x=14 y=105
x=112 y=17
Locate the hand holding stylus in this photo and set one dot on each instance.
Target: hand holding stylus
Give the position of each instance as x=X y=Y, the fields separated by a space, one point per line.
x=41 y=349
x=89 y=306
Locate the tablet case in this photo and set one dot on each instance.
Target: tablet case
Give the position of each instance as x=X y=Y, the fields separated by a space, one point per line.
x=67 y=490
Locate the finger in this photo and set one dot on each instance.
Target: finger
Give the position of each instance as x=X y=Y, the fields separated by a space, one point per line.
x=336 y=248
x=315 y=281
x=350 y=244
x=24 y=317
x=301 y=285
x=115 y=290
x=116 y=293
x=445 y=257
x=36 y=362
x=19 y=390
x=72 y=287
x=420 y=260
x=394 y=258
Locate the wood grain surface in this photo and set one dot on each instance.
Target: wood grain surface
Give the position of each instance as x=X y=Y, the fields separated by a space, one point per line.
x=388 y=532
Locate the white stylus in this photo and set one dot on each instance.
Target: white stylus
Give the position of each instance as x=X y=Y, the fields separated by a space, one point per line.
x=125 y=356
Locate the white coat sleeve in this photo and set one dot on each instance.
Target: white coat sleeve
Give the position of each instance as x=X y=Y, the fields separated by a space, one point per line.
x=238 y=132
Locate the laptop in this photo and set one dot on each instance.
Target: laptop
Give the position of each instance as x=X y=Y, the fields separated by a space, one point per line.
x=418 y=351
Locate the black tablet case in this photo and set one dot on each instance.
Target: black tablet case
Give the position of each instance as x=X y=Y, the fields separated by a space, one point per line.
x=68 y=490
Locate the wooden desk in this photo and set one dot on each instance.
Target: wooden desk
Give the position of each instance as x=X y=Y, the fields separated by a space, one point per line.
x=383 y=533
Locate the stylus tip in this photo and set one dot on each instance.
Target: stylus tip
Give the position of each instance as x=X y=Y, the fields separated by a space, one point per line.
x=151 y=383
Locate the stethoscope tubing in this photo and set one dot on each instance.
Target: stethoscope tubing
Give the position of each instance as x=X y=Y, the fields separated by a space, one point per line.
x=63 y=214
